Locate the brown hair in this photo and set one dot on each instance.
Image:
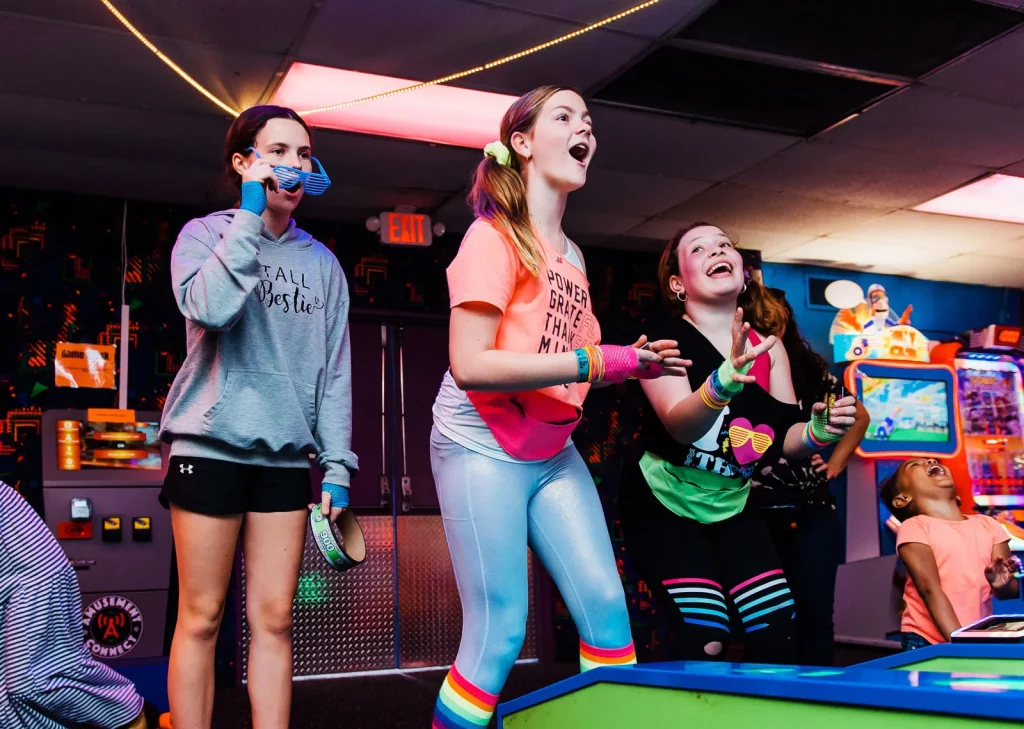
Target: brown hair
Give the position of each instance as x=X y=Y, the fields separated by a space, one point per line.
x=891 y=489
x=498 y=193
x=242 y=135
x=764 y=312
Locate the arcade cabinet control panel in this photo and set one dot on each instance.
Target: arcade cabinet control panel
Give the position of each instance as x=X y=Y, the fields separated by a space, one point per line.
x=101 y=481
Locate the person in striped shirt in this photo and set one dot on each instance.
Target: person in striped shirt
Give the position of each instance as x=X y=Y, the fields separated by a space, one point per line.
x=48 y=677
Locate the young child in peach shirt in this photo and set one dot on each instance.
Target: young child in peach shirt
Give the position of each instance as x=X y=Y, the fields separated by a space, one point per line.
x=955 y=563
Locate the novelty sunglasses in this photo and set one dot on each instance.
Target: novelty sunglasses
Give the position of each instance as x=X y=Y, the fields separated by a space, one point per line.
x=738 y=436
x=314 y=183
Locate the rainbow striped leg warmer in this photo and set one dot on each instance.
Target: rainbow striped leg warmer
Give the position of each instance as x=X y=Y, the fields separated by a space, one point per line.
x=461 y=705
x=593 y=657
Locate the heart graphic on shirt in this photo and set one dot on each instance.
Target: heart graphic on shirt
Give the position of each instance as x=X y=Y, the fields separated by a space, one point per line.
x=749 y=442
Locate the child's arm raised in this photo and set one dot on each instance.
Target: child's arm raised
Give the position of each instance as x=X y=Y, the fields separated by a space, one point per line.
x=920 y=563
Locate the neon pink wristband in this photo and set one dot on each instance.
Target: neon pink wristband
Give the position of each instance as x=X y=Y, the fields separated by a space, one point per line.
x=621 y=363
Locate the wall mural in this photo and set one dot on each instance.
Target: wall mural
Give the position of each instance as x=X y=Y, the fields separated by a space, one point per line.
x=60 y=280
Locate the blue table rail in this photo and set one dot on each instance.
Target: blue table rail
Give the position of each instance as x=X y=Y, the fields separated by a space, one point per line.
x=966 y=685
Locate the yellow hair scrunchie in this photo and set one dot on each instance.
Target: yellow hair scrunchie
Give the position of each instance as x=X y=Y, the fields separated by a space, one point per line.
x=499 y=152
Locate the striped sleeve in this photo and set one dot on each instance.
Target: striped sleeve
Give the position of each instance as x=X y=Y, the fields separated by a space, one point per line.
x=48 y=677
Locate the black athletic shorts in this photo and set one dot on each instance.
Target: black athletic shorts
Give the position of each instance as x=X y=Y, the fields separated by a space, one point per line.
x=220 y=488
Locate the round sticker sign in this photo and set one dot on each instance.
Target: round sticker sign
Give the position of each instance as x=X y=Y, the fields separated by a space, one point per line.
x=113 y=626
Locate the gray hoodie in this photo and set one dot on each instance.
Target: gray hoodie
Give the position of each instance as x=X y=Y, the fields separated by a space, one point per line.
x=267 y=378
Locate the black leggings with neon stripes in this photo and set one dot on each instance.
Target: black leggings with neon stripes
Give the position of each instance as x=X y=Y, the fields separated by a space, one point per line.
x=715 y=580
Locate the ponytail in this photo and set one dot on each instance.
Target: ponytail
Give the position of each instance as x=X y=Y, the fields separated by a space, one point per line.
x=498 y=195
x=498 y=192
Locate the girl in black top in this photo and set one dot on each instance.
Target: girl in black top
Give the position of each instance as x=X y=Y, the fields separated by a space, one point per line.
x=683 y=503
x=792 y=495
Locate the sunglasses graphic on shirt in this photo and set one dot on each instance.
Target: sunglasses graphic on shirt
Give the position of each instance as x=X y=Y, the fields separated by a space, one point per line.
x=314 y=183
x=739 y=435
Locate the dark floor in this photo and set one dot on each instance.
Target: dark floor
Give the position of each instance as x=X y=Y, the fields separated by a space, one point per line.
x=403 y=701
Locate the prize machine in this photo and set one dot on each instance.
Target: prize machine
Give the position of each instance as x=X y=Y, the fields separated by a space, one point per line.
x=989 y=471
x=912 y=404
x=102 y=473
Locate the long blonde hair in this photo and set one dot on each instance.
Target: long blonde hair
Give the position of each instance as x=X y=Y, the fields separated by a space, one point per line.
x=498 y=194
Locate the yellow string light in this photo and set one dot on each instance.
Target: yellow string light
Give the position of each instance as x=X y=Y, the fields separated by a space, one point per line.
x=173 y=66
x=486 y=66
x=438 y=81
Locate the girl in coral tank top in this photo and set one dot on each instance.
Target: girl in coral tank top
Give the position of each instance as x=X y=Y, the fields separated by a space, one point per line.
x=525 y=349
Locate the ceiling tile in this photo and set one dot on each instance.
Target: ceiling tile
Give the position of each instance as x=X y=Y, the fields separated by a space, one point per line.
x=651 y=22
x=663 y=229
x=1008 y=249
x=382 y=162
x=735 y=206
x=96 y=65
x=927 y=230
x=859 y=255
x=426 y=43
x=674 y=147
x=973 y=268
x=994 y=72
x=579 y=222
x=223 y=24
x=444 y=36
x=934 y=123
x=765 y=241
x=633 y=194
x=580 y=63
x=862 y=177
x=74 y=127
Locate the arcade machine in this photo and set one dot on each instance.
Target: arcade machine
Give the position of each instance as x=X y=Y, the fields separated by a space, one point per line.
x=913 y=409
x=102 y=472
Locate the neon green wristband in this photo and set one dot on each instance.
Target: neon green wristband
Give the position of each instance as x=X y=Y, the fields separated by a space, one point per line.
x=722 y=382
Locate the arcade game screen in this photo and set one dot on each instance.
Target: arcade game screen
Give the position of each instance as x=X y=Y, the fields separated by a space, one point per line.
x=991 y=398
x=87 y=445
x=906 y=409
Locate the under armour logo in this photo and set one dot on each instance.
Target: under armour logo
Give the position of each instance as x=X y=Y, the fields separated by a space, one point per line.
x=185 y=469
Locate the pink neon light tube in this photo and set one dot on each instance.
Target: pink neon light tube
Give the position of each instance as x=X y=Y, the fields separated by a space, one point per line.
x=439 y=114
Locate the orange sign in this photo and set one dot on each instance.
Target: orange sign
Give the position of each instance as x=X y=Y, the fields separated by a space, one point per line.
x=1008 y=336
x=405 y=229
x=111 y=415
x=84 y=365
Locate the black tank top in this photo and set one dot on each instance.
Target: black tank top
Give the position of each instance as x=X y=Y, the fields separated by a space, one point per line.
x=750 y=415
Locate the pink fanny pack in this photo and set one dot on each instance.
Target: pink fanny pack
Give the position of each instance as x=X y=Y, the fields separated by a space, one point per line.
x=529 y=426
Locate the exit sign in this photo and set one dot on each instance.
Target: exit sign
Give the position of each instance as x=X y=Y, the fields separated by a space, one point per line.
x=405 y=229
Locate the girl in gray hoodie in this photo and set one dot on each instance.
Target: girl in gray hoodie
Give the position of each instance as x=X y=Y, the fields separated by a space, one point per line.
x=266 y=384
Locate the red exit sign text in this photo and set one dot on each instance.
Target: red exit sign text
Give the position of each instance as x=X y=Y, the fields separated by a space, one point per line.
x=405 y=229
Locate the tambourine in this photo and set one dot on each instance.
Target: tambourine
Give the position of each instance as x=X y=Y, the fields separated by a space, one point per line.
x=342 y=544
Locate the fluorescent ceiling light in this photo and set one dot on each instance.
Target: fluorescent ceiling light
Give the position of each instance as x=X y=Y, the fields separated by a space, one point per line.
x=438 y=114
x=997 y=197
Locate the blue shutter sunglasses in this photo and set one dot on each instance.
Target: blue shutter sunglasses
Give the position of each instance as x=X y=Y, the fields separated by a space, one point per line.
x=314 y=183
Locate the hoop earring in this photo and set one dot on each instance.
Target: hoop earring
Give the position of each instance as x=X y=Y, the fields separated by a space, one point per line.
x=682 y=299
x=744 y=289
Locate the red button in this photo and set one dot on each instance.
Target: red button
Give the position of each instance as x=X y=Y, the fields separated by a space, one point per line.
x=74 y=530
